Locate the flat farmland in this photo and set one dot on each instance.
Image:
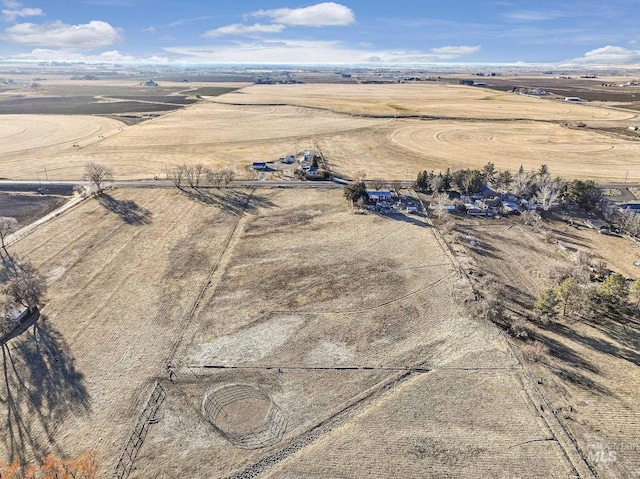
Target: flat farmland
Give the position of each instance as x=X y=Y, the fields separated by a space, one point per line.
x=405 y=147
x=290 y=323
x=33 y=133
x=435 y=100
x=216 y=135
x=389 y=131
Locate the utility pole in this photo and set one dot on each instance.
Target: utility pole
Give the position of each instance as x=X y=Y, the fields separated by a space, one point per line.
x=45 y=173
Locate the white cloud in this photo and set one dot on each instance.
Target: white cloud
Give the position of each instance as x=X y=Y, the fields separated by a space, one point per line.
x=608 y=55
x=89 y=36
x=319 y=15
x=533 y=16
x=149 y=30
x=240 y=29
x=308 y=51
x=63 y=55
x=11 y=15
x=13 y=4
x=456 y=51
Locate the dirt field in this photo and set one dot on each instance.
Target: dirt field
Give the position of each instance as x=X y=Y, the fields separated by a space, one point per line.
x=27 y=207
x=591 y=377
x=322 y=323
x=358 y=127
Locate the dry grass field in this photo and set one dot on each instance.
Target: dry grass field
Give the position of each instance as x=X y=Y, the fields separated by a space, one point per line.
x=302 y=338
x=377 y=128
x=123 y=272
x=590 y=378
x=427 y=99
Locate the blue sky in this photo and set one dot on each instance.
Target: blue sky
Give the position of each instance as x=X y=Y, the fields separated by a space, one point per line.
x=584 y=32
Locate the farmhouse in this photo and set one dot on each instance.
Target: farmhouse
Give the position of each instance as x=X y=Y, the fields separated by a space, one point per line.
x=381 y=195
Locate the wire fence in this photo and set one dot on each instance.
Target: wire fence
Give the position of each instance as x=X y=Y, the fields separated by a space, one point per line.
x=138 y=433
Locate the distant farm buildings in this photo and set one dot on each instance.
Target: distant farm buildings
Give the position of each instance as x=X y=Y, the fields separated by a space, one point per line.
x=573 y=99
x=150 y=83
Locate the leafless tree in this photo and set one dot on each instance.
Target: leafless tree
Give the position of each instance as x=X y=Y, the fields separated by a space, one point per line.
x=7 y=226
x=549 y=192
x=98 y=174
x=359 y=176
x=214 y=177
x=176 y=175
x=193 y=174
x=436 y=183
x=441 y=202
x=630 y=221
x=395 y=186
x=25 y=286
x=377 y=184
x=227 y=175
x=523 y=184
x=531 y=218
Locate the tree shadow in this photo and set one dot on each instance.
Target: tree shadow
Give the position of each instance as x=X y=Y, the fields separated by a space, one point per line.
x=397 y=216
x=130 y=212
x=627 y=335
x=571 y=365
x=40 y=387
x=230 y=201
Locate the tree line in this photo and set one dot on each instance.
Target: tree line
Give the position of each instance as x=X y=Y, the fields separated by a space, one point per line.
x=199 y=175
x=538 y=185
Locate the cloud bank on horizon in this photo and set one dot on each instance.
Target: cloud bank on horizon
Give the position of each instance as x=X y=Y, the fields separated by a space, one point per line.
x=584 y=33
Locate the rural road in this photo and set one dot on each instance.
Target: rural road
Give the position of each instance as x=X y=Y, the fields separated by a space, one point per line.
x=151 y=183
x=146 y=183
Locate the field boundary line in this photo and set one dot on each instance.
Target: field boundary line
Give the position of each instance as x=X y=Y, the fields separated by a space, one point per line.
x=189 y=317
x=138 y=432
x=570 y=447
x=418 y=369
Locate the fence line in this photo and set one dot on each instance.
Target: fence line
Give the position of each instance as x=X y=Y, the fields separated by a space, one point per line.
x=138 y=433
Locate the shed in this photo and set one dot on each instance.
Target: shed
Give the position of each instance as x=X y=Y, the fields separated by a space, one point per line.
x=259 y=165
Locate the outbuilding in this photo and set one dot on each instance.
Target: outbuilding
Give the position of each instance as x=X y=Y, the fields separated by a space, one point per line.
x=259 y=165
